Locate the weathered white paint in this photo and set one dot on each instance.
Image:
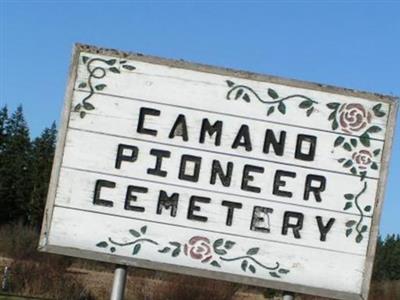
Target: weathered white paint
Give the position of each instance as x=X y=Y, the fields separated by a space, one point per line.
x=115 y=92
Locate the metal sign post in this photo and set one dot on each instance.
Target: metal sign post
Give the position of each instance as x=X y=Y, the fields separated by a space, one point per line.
x=288 y=296
x=118 y=287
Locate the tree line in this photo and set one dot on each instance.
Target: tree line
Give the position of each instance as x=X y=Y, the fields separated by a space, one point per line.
x=25 y=167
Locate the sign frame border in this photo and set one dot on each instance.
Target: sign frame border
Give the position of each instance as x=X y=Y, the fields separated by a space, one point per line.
x=44 y=246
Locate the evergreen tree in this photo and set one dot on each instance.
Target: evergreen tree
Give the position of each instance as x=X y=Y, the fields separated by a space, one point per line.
x=42 y=157
x=15 y=176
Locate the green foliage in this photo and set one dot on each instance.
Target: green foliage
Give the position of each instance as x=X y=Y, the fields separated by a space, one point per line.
x=387 y=259
x=24 y=169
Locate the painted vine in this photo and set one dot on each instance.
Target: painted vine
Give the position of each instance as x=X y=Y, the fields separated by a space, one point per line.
x=97 y=69
x=274 y=103
x=198 y=248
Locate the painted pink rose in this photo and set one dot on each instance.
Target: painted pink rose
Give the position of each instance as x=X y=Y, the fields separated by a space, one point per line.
x=198 y=248
x=353 y=117
x=363 y=158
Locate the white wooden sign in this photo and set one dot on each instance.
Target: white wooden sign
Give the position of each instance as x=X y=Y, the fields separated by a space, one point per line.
x=212 y=172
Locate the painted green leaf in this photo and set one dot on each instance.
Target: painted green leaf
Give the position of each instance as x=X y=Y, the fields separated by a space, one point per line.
x=270 y=110
x=129 y=67
x=218 y=243
x=283 y=271
x=136 y=249
x=176 y=252
x=376 y=152
x=134 y=232
x=252 y=269
x=377 y=107
x=88 y=106
x=333 y=105
x=100 y=87
x=309 y=111
x=175 y=244
x=374 y=166
x=347 y=146
x=220 y=251
x=353 y=171
x=339 y=140
x=102 y=244
x=359 y=238
x=164 y=250
x=377 y=110
x=335 y=125
x=122 y=61
x=143 y=229
x=246 y=97
x=274 y=274
x=306 y=104
x=349 y=196
x=230 y=83
x=85 y=59
x=350 y=223
x=82 y=114
x=112 y=249
x=363 y=174
x=244 y=265
x=332 y=115
x=367 y=208
x=273 y=94
x=353 y=142
x=379 y=114
x=215 y=264
x=364 y=139
x=374 y=129
x=114 y=70
x=348 y=163
x=253 y=251
x=282 y=108
x=238 y=94
x=341 y=160
x=82 y=85
x=348 y=205
x=77 y=107
x=364 y=228
x=229 y=244
x=110 y=62
x=348 y=232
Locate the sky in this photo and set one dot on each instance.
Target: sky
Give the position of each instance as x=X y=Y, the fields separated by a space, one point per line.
x=353 y=44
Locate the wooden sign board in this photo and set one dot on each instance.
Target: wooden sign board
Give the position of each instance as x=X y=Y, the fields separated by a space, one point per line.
x=211 y=172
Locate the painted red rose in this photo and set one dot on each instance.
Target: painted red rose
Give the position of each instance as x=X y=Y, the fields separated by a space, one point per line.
x=363 y=158
x=353 y=117
x=198 y=248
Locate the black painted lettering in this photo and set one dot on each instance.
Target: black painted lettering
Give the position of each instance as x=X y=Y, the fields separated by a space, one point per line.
x=179 y=128
x=196 y=161
x=249 y=178
x=242 y=138
x=144 y=111
x=316 y=190
x=159 y=154
x=309 y=140
x=270 y=139
x=167 y=202
x=231 y=207
x=96 y=196
x=216 y=129
x=130 y=197
x=278 y=182
x=122 y=156
x=260 y=220
x=224 y=177
x=193 y=207
x=296 y=227
x=324 y=229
